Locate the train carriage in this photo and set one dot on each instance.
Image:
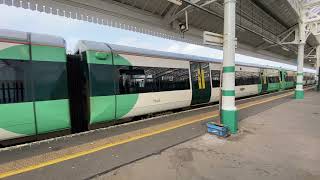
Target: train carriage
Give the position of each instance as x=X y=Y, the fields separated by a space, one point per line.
x=33 y=85
x=215 y=70
x=45 y=91
x=290 y=79
x=308 y=79
x=247 y=81
x=126 y=82
x=273 y=79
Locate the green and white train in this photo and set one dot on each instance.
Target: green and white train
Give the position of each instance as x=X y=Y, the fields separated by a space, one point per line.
x=44 y=91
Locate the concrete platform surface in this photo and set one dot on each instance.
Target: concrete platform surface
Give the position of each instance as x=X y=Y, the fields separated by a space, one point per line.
x=280 y=143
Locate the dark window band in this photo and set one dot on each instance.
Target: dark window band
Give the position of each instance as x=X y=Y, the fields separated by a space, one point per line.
x=273 y=79
x=215 y=77
x=247 y=78
x=133 y=79
x=20 y=80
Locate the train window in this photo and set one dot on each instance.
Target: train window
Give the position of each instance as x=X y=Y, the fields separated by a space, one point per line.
x=134 y=80
x=247 y=78
x=15 y=85
x=101 y=79
x=206 y=72
x=273 y=79
x=173 y=79
x=270 y=79
x=195 y=73
x=215 y=76
x=306 y=77
x=289 y=79
x=50 y=80
x=152 y=79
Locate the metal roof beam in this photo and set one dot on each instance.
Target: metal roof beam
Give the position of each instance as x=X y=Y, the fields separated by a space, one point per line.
x=181 y=12
x=288 y=30
x=312 y=3
x=125 y=16
x=257 y=3
x=202 y=8
x=296 y=5
x=311 y=51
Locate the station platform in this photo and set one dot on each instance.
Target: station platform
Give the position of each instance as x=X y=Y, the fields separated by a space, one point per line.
x=278 y=139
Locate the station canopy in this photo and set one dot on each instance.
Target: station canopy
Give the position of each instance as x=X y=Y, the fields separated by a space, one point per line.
x=264 y=29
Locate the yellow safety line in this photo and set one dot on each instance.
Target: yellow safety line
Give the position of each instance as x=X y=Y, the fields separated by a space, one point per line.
x=134 y=138
x=265 y=101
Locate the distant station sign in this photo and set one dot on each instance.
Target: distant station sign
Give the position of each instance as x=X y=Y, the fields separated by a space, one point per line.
x=213 y=39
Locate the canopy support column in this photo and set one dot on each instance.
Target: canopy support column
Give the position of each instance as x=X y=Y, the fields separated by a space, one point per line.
x=299 y=93
x=228 y=108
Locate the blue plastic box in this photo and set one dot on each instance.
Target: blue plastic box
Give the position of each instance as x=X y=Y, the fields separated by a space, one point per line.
x=217 y=129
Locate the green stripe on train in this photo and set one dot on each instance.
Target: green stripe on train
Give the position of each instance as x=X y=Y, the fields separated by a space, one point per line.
x=102 y=109
x=93 y=58
x=52 y=115
x=125 y=104
x=119 y=60
x=18 y=52
x=107 y=108
x=273 y=87
x=18 y=118
x=259 y=88
x=48 y=53
x=289 y=85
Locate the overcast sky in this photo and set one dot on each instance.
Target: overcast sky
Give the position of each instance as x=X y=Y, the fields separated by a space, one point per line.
x=74 y=30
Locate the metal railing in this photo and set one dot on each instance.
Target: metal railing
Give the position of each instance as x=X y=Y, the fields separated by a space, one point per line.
x=11 y=92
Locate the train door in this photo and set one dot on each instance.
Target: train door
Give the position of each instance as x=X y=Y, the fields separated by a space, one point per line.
x=282 y=77
x=201 y=86
x=78 y=93
x=264 y=82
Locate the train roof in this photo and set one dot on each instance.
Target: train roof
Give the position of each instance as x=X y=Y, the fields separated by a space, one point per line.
x=85 y=45
x=49 y=40
x=35 y=38
x=13 y=35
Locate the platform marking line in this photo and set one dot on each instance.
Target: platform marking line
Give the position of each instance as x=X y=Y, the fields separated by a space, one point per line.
x=150 y=132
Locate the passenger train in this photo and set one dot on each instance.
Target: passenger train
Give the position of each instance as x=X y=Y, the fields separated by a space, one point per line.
x=45 y=91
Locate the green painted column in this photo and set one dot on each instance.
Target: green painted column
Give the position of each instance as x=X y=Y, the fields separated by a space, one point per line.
x=299 y=93
x=228 y=109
